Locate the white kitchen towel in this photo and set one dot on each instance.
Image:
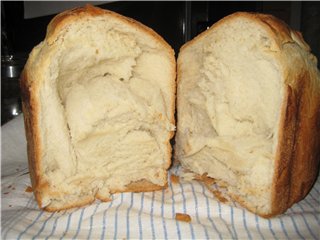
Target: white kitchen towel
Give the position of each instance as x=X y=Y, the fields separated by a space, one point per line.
x=148 y=215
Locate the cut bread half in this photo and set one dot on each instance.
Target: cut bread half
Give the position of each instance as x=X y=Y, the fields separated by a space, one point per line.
x=248 y=101
x=98 y=102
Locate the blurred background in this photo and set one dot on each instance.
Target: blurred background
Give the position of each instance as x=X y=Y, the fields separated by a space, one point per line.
x=23 y=25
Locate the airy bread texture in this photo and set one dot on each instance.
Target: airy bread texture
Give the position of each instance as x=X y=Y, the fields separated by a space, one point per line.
x=98 y=102
x=248 y=103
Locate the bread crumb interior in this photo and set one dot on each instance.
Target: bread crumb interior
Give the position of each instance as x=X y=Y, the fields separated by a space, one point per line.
x=106 y=110
x=229 y=101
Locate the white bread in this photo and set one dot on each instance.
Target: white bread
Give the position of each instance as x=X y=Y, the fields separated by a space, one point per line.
x=98 y=102
x=248 y=102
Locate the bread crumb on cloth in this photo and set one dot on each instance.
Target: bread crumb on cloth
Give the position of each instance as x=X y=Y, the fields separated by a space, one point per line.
x=219 y=196
x=28 y=189
x=174 y=179
x=183 y=217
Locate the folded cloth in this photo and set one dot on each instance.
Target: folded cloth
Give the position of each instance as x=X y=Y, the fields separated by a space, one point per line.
x=140 y=215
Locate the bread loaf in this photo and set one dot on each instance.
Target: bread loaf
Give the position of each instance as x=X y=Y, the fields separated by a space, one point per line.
x=98 y=103
x=248 y=102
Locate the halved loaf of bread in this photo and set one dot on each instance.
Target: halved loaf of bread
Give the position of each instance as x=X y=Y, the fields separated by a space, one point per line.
x=98 y=102
x=249 y=111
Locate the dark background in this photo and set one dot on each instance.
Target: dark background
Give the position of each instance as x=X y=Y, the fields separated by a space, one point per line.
x=176 y=22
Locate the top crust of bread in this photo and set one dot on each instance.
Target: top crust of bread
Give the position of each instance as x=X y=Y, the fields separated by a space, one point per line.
x=65 y=18
x=30 y=84
x=298 y=149
x=276 y=27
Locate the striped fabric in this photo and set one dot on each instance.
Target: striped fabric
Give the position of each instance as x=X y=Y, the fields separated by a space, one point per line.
x=152 y=216
x=149 y=215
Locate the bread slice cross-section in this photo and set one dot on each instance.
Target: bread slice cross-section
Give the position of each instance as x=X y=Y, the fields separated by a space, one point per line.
x=248 y=102
x=98 y=102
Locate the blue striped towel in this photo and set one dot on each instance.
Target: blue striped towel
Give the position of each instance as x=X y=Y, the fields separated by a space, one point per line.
x=148 y=215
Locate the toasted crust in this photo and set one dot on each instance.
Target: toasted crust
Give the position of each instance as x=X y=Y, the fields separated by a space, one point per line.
x=298 y=152
x=30 y=111
x=276 y=27
x=30 y=82
x=297 y=159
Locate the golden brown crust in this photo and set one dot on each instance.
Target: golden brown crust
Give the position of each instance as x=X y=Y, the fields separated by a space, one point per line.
x=282 y=179
x=297 y=158
x=63 y=19
x=273 y=25
x=30 y=111
x=30 y=83
x=298 y=152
